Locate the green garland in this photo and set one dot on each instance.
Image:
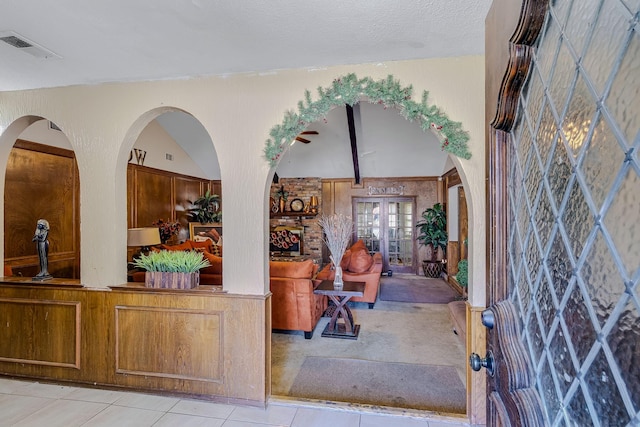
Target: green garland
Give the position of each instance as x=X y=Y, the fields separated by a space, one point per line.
x=348 y=90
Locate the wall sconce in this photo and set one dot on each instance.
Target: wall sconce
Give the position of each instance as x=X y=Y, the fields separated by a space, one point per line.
x=143 y=237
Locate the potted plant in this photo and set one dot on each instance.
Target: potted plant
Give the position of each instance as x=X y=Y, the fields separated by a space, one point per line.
x=433 y=234
x=172 y=269
x=462 y=277
x=167 y=229
x=207 y=209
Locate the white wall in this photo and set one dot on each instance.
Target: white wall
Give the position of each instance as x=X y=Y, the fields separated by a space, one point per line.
x=103 y=121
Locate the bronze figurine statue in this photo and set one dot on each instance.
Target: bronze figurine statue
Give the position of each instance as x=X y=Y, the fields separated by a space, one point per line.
x=40 y=237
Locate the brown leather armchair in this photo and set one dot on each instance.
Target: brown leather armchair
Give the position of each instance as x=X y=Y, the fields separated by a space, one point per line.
x=294 y=306
x=358 y=266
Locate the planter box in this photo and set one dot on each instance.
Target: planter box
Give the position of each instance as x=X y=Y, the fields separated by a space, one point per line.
x=159 y=279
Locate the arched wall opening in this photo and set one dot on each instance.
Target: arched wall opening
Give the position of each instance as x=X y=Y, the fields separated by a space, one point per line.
x=41 y=182
x=349 y=89
x=283 y=158
x=171 y=164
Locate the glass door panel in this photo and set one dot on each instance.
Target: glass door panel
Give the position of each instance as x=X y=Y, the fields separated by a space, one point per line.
x=387 y=226
x=400 y=235
x=368 y=224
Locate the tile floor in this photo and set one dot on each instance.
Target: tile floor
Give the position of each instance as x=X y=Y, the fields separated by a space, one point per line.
x=33 y=404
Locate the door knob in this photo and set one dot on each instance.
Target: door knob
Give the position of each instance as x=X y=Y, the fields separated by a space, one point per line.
x=488 y=318
x=477 y=363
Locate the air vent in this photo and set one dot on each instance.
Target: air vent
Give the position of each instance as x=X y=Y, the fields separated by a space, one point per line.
x=15 y=42
x=25 y=45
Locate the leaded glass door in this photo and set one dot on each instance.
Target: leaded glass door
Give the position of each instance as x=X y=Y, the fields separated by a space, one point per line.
x=400 y=240
x=386 y=225
x=564 y=311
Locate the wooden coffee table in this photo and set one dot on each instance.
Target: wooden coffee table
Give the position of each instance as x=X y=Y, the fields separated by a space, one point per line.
x=340 y=297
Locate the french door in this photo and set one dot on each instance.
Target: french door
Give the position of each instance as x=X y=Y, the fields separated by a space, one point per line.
x=387 y=225
x=564 y=179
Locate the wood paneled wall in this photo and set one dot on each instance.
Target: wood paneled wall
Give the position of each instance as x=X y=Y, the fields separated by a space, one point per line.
x=194 y=342
x=338 y=194
x=153 y=194
x=41 y=182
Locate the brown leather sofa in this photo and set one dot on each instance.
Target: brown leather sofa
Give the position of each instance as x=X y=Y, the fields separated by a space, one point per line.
x=211 y=275
x=359 y=266
x=294 y=306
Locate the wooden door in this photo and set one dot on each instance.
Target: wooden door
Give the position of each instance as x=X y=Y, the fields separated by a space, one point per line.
x=564 y=252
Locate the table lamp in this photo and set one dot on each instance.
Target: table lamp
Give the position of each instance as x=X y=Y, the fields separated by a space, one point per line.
x=143 y=237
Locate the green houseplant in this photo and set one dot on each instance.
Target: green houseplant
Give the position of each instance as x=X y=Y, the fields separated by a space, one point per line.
x=207 y=209
x=172 y=269
x=433 y=234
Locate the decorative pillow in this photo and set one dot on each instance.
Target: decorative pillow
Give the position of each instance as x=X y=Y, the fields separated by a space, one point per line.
x=186 y=246
x=201 y=246
x=216 y=249
x=346 y=259
x=292 y=269
x=361 y=261
x=358 y=245
x=216 y=264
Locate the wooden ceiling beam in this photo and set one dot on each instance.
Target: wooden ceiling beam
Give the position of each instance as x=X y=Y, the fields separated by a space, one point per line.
x=354 y=144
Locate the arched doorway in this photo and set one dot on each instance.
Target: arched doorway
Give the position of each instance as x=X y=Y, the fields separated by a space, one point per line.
x=296 y=159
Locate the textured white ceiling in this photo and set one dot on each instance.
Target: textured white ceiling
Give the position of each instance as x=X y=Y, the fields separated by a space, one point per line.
x=127 y=40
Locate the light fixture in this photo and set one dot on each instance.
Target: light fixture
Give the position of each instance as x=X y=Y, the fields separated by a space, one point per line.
x=143 y=237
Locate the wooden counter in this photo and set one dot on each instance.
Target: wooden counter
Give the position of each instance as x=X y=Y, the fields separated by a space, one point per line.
x=201 y=342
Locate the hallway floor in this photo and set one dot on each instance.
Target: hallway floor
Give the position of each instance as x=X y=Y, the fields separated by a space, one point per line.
x=33 y=404
x=392 y=332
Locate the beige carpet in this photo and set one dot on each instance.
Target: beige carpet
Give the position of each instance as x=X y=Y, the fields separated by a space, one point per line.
x=392 y=332
x=390 y=384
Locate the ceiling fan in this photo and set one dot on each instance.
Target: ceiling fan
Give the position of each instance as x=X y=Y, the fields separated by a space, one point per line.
x=307 y=132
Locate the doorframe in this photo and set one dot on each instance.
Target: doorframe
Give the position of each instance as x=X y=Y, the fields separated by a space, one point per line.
x=384 y=200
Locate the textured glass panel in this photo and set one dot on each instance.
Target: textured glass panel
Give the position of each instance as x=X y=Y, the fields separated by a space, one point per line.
x=581 y=20
x=559 y=172
x=624 y=341
x=563 y=76
x=559 y=267
x=577 y=321
x=633 y=5
x=544 y=301
x=535 y=96
x=548 y=390
x=523 y=148
x=578 y=118
x=578 y=413
x=533 y=259
x=535 y=339
x=533 y=181
x=601 y=162
x=605 y=394
x=622 y=221
x=610 y=31
x=524 y=292
x=562 y=363
x=546 y=135
x=623 y=100
x=560 y=9
x=546 y=54
x=578 y=219
x=545 y=219
x=602 y=279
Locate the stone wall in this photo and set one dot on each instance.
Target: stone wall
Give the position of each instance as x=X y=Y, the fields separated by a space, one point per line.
x=301 y=188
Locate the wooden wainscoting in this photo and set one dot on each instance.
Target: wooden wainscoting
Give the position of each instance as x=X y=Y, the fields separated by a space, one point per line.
x=42 y=182
x=200 y=342
x=33 y=331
